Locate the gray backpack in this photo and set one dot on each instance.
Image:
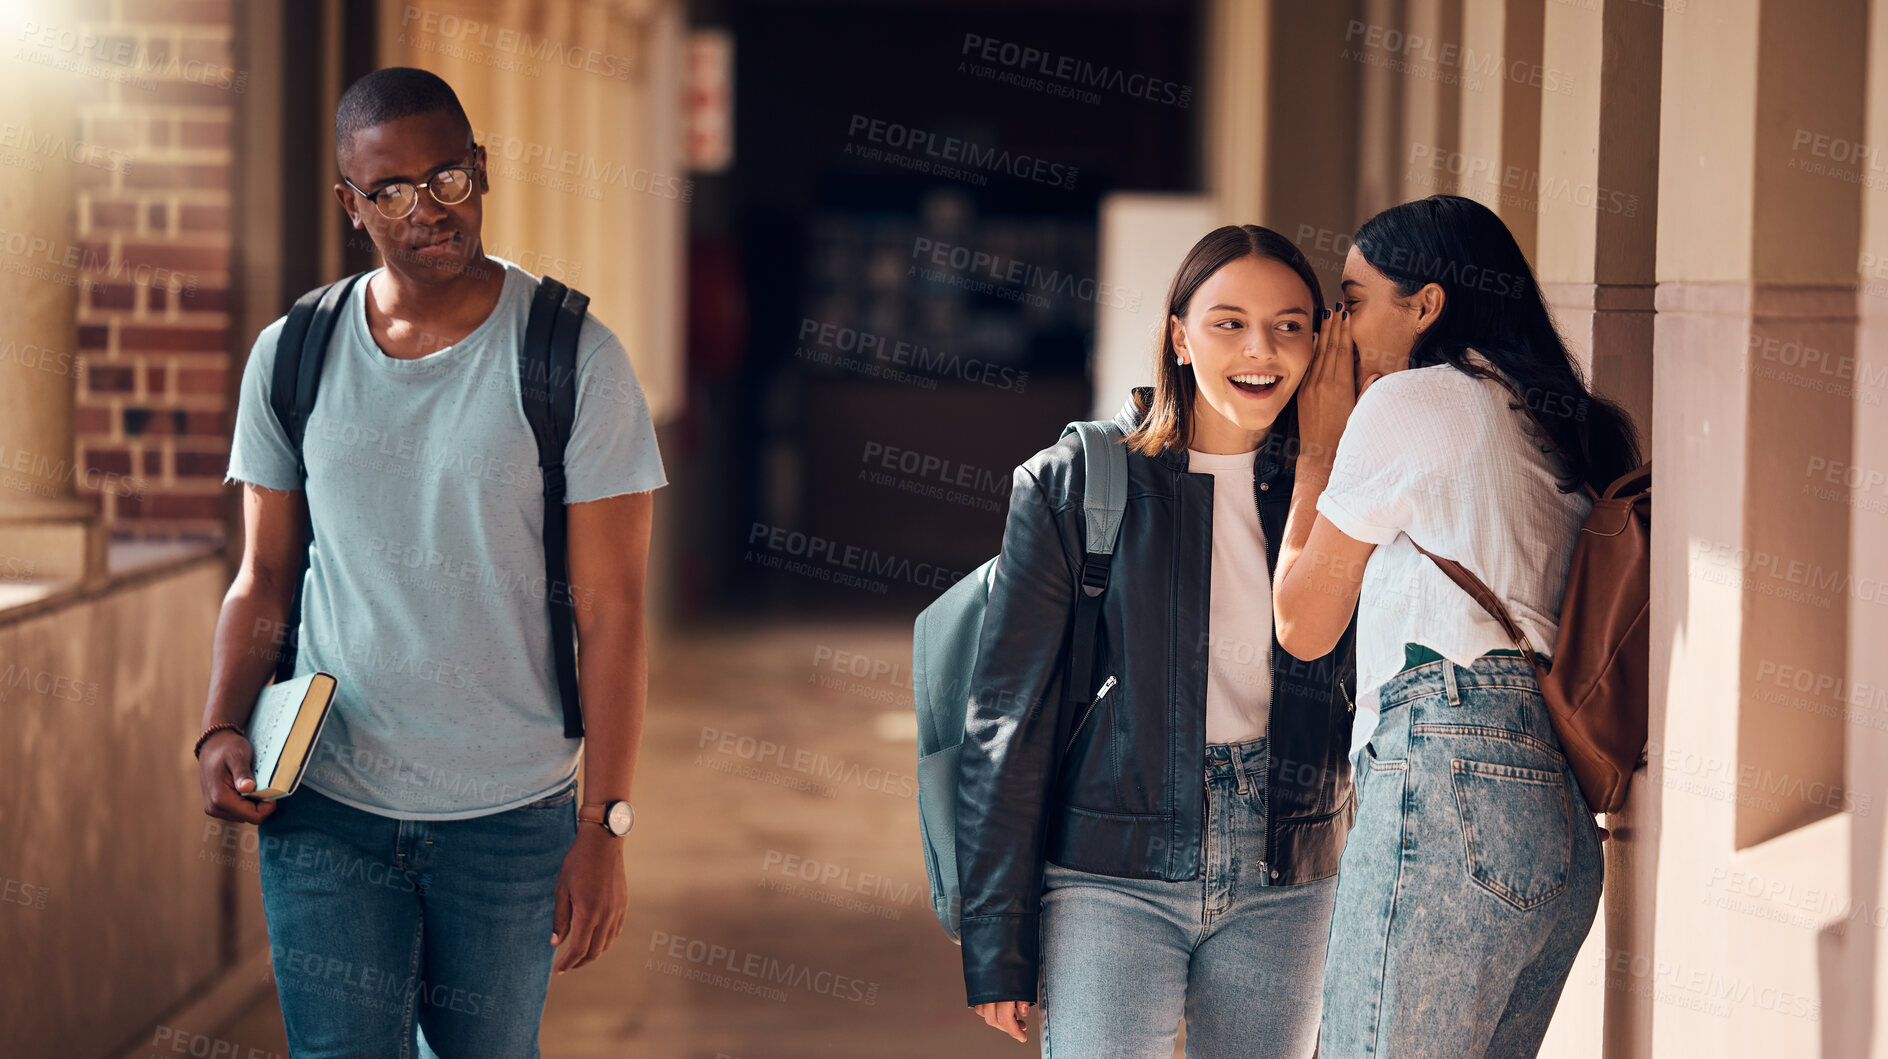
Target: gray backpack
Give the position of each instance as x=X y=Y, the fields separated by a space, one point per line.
x=944 y=658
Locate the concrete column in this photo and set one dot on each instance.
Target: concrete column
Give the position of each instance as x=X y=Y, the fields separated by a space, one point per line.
x=1380 y=157
x=1283 y=123
x=1859 y=987
x=1236 y=102
x=1598 y=189
x=1754 y=573
x=46 y=531
x=1430 y=61
x=1502 y=81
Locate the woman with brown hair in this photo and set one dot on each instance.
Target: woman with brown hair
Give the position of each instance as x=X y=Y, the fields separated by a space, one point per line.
x=1170 y=849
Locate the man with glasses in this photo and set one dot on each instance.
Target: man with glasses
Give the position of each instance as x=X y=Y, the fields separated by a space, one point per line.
x=418 y=885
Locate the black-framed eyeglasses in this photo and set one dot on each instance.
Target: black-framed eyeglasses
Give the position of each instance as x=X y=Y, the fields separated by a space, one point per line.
x=448 y=186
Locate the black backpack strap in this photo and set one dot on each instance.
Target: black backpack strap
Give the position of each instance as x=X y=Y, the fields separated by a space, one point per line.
x=300 y=352
x=547 y=385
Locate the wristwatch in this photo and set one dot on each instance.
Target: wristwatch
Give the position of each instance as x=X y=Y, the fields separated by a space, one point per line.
x=614 y=817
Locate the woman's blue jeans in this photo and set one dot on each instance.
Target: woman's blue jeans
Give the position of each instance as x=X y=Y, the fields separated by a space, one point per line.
x=1239 y=957
x=412 y=938
x=1470 y=879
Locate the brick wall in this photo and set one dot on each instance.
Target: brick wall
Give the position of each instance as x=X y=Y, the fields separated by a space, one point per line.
x=154 y=399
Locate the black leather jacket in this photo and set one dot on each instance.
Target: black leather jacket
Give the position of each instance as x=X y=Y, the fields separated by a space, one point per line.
x=1116 y=787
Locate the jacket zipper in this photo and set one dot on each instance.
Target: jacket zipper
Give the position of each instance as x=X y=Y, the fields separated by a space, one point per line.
x=1271 y=688
x=1106 y=686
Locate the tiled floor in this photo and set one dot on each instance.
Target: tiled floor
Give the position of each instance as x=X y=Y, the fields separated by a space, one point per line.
x=770 y=755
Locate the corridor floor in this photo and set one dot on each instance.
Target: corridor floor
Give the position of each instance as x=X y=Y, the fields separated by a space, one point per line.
x=776 y=819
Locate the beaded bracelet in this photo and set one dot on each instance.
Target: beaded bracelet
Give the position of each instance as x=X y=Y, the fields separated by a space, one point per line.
x=197 y=751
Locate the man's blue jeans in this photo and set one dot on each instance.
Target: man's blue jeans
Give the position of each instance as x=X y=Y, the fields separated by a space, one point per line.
x=412 y=938
x=1470 y=879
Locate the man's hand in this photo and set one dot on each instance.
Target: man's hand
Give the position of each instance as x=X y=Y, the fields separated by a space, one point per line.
x=1010 y=1016
x=592 y=897
x=225 y=769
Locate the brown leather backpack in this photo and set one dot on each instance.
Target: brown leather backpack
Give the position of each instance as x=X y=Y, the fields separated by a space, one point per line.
x=1597 y=682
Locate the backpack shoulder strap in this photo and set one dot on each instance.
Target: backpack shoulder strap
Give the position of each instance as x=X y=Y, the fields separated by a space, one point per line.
x=1104 y=497
x=300 y=352
x=547 y=386
x=1485 y=596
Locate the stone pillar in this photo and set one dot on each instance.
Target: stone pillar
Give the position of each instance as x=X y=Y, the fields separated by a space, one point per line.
x=1379 y=118
x=1501 y=80
x=1235 y=100
x=1852 y=1021
x=46 y=532
x=1754 y=573
x=1429 y=58
x=1598 y=190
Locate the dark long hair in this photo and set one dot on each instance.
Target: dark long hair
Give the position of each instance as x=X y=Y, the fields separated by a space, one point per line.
x=1493 y=305
x=1169 y=422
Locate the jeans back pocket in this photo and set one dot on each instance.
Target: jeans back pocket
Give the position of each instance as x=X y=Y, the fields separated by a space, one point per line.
x=1514 y=830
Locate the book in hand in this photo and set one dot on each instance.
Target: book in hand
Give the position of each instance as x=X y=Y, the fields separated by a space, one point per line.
x=283 y=728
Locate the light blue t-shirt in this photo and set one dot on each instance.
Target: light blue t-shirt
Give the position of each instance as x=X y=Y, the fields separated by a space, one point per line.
x=426 y=588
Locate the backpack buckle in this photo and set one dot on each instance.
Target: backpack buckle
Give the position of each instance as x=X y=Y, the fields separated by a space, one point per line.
x=1095 y=574
x=554 y=480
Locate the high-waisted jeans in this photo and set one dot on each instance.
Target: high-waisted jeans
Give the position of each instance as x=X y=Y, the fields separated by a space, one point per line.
x=1239 y=957
x=1470 y=879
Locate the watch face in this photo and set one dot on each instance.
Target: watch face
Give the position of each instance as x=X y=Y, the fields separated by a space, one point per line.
x=618 y=817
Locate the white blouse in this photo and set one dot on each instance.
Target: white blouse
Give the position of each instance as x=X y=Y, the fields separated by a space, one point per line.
x=1438 y=456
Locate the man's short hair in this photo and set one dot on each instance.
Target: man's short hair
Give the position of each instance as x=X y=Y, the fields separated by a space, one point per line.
x=390 y=94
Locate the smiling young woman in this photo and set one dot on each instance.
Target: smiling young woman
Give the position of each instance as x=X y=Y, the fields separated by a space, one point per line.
x=1170 y=849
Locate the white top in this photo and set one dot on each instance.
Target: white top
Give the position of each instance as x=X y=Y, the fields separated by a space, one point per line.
x=1434 y=454
x=1239 y=630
